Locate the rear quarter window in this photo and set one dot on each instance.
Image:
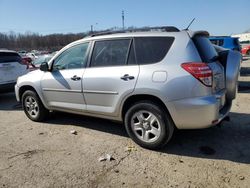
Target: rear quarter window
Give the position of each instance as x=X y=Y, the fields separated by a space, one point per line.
x=152 y=49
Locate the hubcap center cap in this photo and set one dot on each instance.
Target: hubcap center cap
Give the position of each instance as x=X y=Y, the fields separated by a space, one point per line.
x=145 y=125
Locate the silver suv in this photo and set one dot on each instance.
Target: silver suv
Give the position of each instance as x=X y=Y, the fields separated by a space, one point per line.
x=153 y=81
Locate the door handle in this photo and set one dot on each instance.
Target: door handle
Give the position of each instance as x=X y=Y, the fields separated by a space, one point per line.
x=75 y=78
x=126 y=77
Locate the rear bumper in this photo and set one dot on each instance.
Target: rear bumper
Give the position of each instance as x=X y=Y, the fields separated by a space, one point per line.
x=4 y=88
x=200 y=112
x=17 y=93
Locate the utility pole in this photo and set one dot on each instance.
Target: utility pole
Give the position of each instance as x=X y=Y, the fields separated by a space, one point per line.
x=91 y=28
x=123 y=20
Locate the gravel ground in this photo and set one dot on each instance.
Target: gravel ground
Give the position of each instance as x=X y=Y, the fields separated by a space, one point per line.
x=48 y=155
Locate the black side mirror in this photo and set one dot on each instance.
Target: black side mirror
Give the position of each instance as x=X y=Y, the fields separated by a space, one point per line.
x=44 y=67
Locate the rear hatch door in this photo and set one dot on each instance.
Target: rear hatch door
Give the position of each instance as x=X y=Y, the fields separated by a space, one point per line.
x=210 y=56
x=10 y=67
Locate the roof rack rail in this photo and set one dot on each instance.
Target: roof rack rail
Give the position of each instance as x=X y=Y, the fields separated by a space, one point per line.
x=219 y=36
x=145 y=29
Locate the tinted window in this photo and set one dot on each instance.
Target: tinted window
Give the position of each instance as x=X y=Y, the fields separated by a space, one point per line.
x=205 y=48
x=152 y=49
x=72 y=58
x=213 y=41
x=219 y=42
x=110 y=53
x=236 y=42
x=9 y=57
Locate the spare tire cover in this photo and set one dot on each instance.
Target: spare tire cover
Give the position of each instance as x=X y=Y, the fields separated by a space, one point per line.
x=232 y=73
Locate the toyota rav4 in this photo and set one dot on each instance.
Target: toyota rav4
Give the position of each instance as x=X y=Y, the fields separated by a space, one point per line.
x=154 y=81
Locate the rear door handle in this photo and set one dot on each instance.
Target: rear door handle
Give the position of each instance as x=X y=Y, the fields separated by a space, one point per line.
x=75 y=78
x=126 y=77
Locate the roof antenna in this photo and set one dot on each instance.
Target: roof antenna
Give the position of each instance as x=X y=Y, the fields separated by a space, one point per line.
x=190 y=24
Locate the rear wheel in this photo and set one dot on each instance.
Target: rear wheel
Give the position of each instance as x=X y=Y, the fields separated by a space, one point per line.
x=148 y=125
x=33 y=107
x=248 y=52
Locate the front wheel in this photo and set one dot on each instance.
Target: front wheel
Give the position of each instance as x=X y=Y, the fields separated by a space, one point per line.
x=149 y=125
x=33 y=106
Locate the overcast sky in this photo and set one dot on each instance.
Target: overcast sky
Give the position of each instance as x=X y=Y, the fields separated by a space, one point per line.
x=219 y=17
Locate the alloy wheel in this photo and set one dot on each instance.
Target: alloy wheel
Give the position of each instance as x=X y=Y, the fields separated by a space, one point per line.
x=31 y=106
x=146 y=126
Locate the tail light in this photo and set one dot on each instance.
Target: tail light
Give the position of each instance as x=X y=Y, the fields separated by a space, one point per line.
x=24 y=62
x=201 y=71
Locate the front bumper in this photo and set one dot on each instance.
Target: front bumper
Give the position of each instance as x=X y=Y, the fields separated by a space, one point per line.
x=4 y=88
x=199 y=112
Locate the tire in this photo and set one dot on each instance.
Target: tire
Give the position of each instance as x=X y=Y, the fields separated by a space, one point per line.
x=148 y=125
x=33 y=106
x=248 y=53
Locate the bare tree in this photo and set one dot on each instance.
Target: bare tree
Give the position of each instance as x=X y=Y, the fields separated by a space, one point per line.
x=30 y=41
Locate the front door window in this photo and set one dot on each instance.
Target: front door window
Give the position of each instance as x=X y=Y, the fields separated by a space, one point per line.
x=72 y=58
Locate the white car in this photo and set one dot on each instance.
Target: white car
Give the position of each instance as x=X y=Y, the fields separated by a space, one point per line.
x=33 y=56
x=11 y=68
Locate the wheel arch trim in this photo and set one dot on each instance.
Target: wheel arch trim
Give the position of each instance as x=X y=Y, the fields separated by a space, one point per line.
x=24 y=88
x=129 y=100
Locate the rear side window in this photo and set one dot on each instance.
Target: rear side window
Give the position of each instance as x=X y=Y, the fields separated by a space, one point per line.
x=213 y=41
x=110 y=53
x=152 y=49
x=6 y=57
x=205 y=48
x=219 y=42
x=236 y=42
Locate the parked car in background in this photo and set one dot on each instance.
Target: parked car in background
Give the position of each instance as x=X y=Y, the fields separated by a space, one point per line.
x=11 y=67
x=33 y=56
x=153 y=81
x=228 y=42
x=245 y=50
x=41 y=59
x=22 y=53
x=26 y=60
